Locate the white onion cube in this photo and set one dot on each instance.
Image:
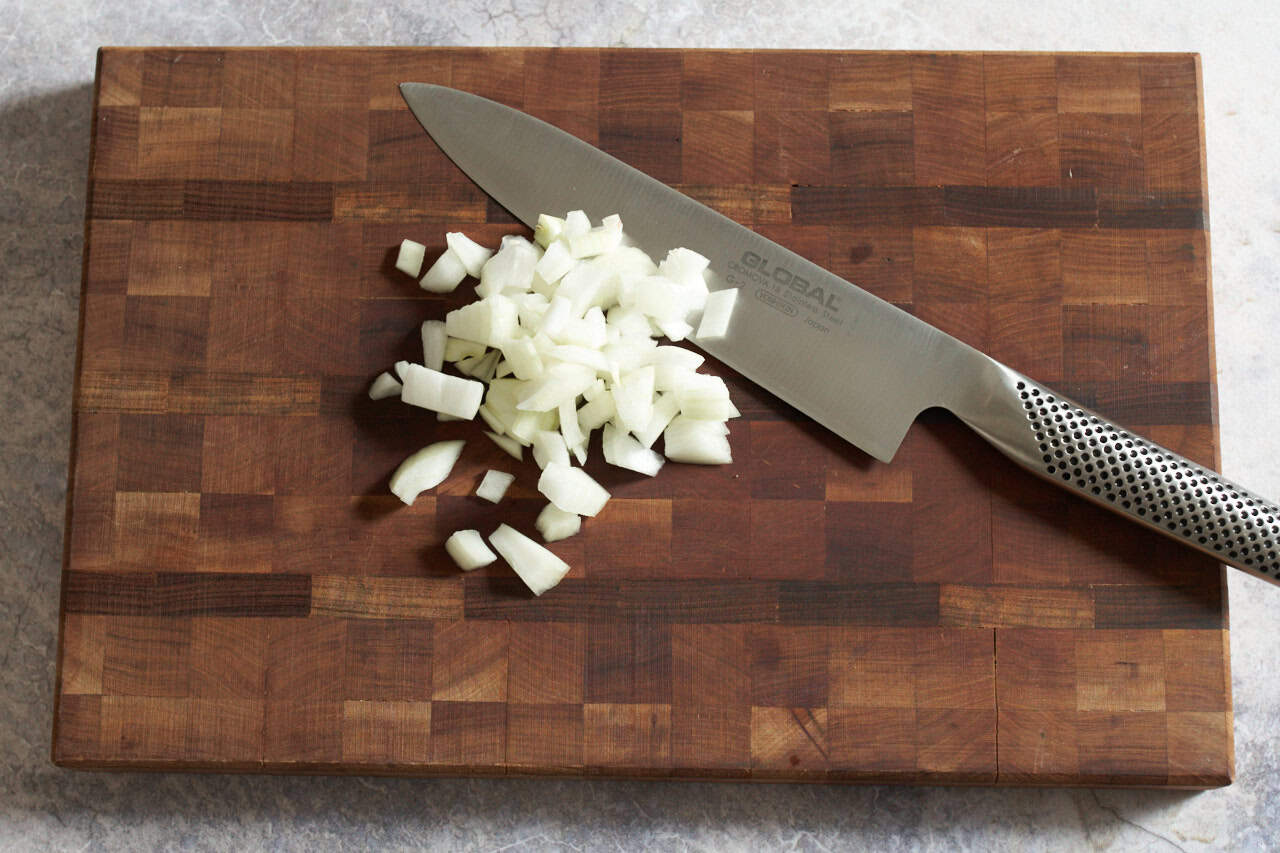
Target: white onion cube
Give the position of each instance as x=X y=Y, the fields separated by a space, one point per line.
x=717 y=314
x=409 y=258
x=384 y=386
x=494 y=485
x=425 y=469
x=468 y=550
x=440 y=392
x=555 y=524
x=471 y=253
x=537 y=567
x=572 y=489
x=445 y=274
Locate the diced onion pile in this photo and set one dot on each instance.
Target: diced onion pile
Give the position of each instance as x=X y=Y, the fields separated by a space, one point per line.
x=563 y=340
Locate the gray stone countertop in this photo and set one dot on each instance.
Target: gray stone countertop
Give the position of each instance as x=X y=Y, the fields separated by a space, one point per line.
x=46 y=75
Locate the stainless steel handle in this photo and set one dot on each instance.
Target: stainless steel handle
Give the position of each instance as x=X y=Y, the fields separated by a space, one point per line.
x=1083 y=452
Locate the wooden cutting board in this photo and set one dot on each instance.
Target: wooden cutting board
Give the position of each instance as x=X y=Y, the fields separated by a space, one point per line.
x=242 y=593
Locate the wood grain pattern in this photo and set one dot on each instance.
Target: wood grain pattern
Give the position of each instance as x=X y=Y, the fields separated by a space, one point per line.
x=241 y=593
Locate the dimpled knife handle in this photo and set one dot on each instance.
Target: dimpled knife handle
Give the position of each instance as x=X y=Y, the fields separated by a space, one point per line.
x=1085 y=453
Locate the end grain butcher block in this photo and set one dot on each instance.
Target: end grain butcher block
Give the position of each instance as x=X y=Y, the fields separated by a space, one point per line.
x=242 y=593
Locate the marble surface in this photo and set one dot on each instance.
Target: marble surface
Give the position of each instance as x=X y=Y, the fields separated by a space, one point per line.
x=46 y=72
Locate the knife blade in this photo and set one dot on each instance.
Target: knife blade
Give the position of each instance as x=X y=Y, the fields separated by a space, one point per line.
x=856 y=364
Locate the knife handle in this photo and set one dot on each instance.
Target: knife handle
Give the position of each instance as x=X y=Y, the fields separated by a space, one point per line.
x=1083 y=452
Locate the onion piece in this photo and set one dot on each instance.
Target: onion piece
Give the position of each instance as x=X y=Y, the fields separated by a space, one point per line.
x=575 y=222
x=706 y=398
x=491 y=321
x=434 y=340
x=554 y=263
x=537 y=567
x=595 y=412
x=560 y=383
x=494 y=485
x=572 y=489
x=597 y=241
x=486 y=414
x=456 y=349
x=522 y=356
x=440 y=392
x=555 y=524
x=468 y=550
x=445 y=274
x=633 y=397
x=471 y=253
x=665 y=408
x=549 y=447
x=384 y=386
x=409 y=258
x=570 y=430
x=717 y=315
x=508 y=444
x=697 y=442
x=425 y=469
x=547 y=230
x=510 y=269
x=623 y=451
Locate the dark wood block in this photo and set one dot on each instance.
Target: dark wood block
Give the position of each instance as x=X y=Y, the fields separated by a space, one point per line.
x=788 y=666
x=792 y=147
x=170 y=330
x=182 y=78
x=302 y=732
x=544 y=737
x=259 y=79
x=386 y=733
x=790 y=80
x=628 y=662
x=236 y=533
x=146 y=656
x=330 y=143
x=870 y=81
x=388 y=661
x=708 y=666
x=1038 y=745
x=469 y=662
x=1096 y=84
x=256 y=144
x=1022 y=149
x=1020 y=83
x=546 y=663
x=300 y=659
x=947 y=101
x=717 y=146
x=1100 y=149
x=1123 y=748
x=872 y=148
x=116 y=143
x=228 y=659
x=876 y=259
x=869 y=542
x=564 y=80
x=717 y=80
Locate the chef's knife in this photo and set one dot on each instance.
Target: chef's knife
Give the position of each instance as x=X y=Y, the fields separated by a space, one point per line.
x=853 y=362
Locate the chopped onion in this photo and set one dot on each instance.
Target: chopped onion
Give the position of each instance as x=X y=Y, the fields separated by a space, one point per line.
x=456 y=349
x=409 y=259
x=554 y=263
x=472 y=254
x=665 y=408
x=434 y=340
x=555 y=524
x=425 y=469
x=549 y=447
x=486 y=414
x=717 y=314
x=510 y=445
x=705 y=398
x=633 y=397
x=570 y=430
x=468 y=550
x=491 y=321
x=510 y=269
x=445 y=274
x=537 y=567
x=699 y=442
x=547 y=230
x=623 y=451
x=594 y=414
x=560 y=383
x=572 y=489
x=384 y=386
x=522 y=356
x=494 y=485
x=440 y=392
